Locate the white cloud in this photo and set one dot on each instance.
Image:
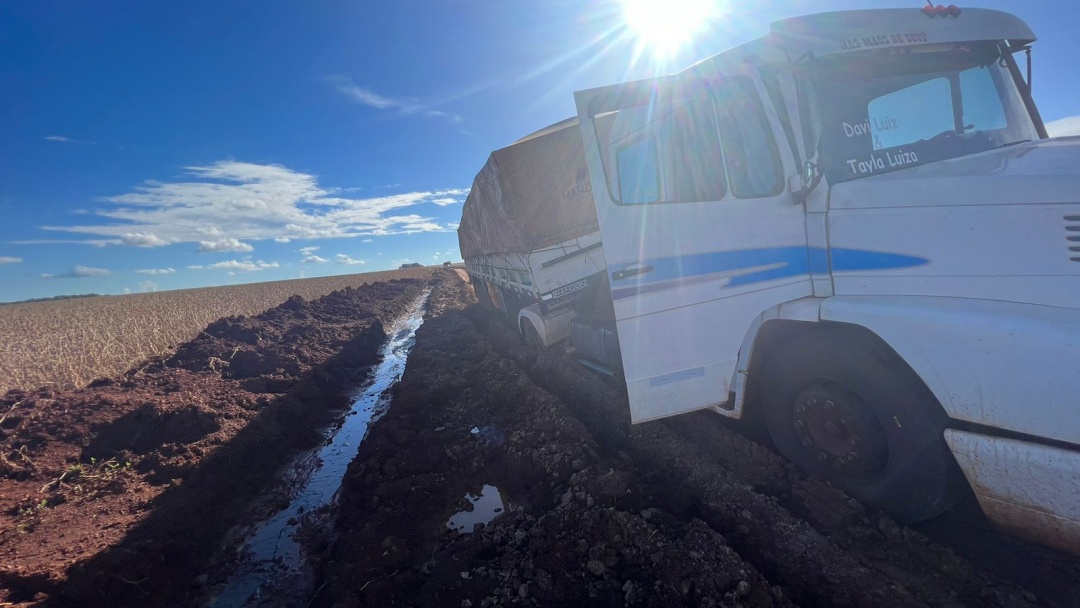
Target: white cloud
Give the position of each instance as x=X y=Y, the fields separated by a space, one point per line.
x=94 y=242
x=366 y=97
x=281 y=239
x=442 y=202
x=1070 y=125
x=65 y=140
x=309 y=255
x=156 y=271
x=10 y=260
x=147 y=286
x=220 y=206
x=223 y=245
x=341 y=258
x=87 y=271
x=448 y=254
x=238 y=266
x=366 y=240
x=142 y=239
x=79 y=272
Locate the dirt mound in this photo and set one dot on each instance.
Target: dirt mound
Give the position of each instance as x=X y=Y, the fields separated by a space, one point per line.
x=287 y=341
x=115 y=494
x=149 y=428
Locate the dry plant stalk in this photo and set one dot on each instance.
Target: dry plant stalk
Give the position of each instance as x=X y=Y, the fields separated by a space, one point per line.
x=68 y=343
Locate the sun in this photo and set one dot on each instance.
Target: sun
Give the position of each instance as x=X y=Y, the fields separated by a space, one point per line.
x=664 y=26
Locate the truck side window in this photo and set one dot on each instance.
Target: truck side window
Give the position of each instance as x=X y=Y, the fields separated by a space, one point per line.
x=692 y=153
x=668 y=152
x=638 y=171
x=749 y=150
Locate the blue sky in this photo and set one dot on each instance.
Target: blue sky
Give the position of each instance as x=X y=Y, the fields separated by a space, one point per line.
x=150 y=146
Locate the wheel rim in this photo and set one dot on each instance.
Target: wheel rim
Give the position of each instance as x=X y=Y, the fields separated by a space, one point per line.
x=839 y=430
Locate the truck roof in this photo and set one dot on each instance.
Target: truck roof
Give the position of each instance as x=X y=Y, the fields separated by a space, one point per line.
x=860 y=30
x=834 y=33
x=847 y=31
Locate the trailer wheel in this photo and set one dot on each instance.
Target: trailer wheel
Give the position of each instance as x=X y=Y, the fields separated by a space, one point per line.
x=531 y=336
x=859 y=418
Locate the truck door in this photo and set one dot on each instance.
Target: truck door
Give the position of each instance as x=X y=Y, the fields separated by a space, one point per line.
x=699 y=231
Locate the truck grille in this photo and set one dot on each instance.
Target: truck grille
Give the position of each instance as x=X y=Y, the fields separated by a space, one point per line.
x=1072 y=235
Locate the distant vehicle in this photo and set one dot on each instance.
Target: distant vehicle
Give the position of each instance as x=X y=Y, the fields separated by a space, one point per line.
x=448 y=264
x=854 y=228
x=411 y=265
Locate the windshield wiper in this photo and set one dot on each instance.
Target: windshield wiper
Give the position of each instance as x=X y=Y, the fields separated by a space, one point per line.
x=1013 y=143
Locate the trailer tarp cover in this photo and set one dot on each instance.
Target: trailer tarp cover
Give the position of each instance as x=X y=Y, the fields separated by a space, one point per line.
x=530 y=195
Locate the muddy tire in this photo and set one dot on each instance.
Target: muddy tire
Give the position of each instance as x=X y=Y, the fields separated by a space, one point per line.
x=531 y=336
x=857 y=416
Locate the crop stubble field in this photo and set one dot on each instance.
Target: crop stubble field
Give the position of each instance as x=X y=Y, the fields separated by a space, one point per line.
x=67 y=343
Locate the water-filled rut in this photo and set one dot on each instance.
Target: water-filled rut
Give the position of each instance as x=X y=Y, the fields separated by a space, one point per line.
x=272 y=559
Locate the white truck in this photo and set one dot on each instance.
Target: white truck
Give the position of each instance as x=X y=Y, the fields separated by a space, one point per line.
x=856 y=229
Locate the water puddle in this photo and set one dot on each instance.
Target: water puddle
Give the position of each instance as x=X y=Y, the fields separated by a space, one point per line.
x=271 y=558
x=485 y=507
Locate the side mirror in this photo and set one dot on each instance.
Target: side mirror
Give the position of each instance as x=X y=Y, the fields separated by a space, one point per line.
x=797 y=187
x=808 y=174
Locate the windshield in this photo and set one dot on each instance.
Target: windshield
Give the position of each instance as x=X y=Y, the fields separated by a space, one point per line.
x=883 y=111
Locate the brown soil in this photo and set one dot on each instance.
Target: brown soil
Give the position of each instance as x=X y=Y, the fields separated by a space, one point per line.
x=604 y=513
x=116 y=494
x=598 y=512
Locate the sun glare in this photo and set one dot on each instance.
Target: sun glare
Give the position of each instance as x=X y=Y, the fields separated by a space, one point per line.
x=664 y=26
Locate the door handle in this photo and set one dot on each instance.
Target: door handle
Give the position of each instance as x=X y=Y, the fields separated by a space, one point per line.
x=631 y=272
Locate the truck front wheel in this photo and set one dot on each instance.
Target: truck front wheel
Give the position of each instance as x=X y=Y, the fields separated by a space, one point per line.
x=857 y=416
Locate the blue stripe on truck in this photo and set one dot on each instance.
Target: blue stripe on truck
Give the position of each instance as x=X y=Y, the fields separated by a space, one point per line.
x=747 y=266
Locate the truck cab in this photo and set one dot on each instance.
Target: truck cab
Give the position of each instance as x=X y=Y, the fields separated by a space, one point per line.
x=856 y=230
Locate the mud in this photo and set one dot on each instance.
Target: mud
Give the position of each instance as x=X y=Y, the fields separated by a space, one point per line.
x=499 y=476
x=119 y=494
x=600 y=512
